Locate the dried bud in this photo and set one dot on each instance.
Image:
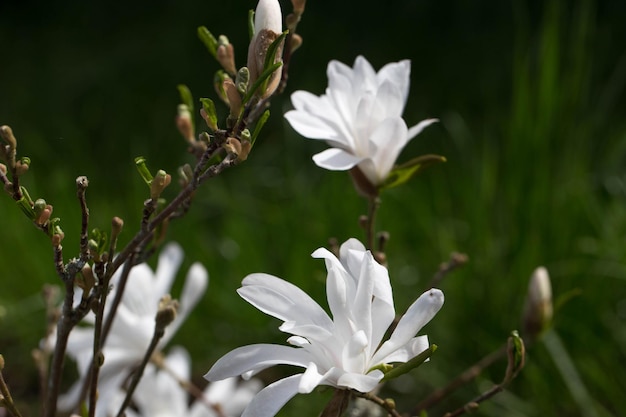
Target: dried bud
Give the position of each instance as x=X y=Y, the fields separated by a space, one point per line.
x=267 y=28
x=7 y=134
x=166 y=312
x=538 y=306
x=225 y=55
x=184 y=123
x=161 y=180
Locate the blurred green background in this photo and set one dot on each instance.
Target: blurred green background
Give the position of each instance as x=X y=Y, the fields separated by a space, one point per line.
x=530 y=95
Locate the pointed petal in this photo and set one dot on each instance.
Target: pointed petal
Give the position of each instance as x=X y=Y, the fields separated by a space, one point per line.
x=399 y=74
x=413 y=348
x=416 y=317
x=312 y=127
x=283 y=300
x=273 y=397
x=310 y=379
x=417 y=129
x=389 y=138
x=255 y=358
x=195 y=287
x=336 y=159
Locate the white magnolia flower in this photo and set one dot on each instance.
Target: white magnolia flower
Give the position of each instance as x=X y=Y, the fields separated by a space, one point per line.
x=268 y=25
x=360 y=117
x=160 y=394
x=133 y=326
x=340 y=352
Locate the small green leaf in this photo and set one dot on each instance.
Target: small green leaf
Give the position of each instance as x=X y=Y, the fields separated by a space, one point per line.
x=186 y=97
x=403 y=368
x=270 y=56
x=261 y=81
x=208 y=40
x=402 y=173
x=211 y=113
x=259 y=125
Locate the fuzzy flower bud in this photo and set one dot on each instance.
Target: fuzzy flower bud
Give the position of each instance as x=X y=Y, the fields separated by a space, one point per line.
x=160 y=181
x=538 y=307
x=166 y=312
x=267 y=28
x=225 y=55
x=7 y=134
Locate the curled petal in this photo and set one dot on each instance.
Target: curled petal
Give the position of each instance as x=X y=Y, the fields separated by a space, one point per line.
x=255 y=358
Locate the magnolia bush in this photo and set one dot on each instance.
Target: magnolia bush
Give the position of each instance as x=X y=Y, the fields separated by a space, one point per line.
x=118 y=315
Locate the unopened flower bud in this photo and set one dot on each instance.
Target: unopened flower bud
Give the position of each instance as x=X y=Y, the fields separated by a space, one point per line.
x=7 y=134
x=57 y=239
x=3 y=169
x=538 y=306
x=184 y=123
x=1 y=362
x=267 y=28
x=225 y=55
x=161 y=180
x=246 y=146
x=86 y=280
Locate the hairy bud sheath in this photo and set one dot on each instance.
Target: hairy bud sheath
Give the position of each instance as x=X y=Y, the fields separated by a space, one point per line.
x=267 y=27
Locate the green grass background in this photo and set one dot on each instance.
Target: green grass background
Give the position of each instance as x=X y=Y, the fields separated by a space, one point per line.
x=531 y=101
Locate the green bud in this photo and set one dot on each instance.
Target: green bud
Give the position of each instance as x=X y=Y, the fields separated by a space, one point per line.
x=208 y=40
x=242 y=80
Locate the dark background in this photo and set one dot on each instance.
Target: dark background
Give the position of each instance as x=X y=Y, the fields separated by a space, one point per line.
x=531 y=101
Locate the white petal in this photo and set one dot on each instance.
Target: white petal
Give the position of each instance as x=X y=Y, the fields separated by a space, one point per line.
x=389 y=138
x=398 y=73
x=283 y=300
x=313 y=127
x=360 y=382
x=417 y=129
x=272 y=398
x=413 y=348
x=268 y=16
x=195 y=286
x=416 y=317
x=255 y=358
x=354 y=353
x=310 y=379
x=336 y=159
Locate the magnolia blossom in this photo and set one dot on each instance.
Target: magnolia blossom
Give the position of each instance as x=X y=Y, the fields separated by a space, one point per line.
x=360 y=117
x=160 y=394
x=268 y=25
x=133 y=326
x=342 y=351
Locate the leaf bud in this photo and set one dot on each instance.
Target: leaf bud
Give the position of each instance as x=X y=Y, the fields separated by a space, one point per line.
x=225 y=55
x=232 y=145
x=22 y=165
x=116 y=227
x=161 y=180
x=7 y=134
x=208 y=113
x=234 y=98
x=242 y=80
x=184 y=123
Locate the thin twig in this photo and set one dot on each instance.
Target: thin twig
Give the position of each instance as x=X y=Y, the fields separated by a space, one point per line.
x=456 y=260
x=81 y=188
x=467 y=376
x=5 y=395
x=387 y=404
